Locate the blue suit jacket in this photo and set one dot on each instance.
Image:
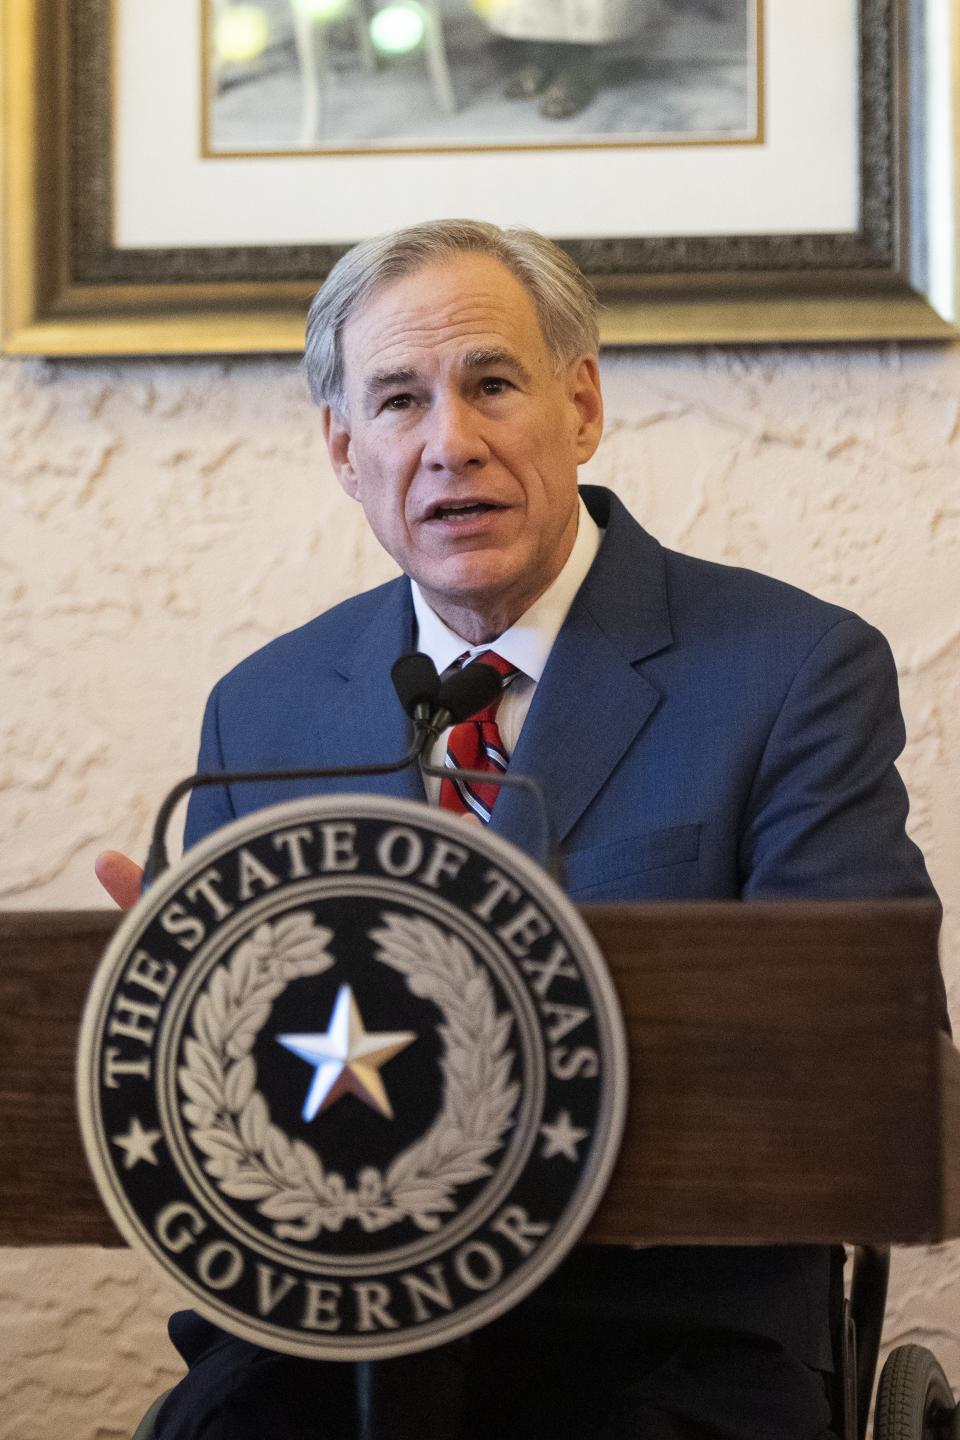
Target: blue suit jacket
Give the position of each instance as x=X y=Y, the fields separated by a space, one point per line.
x=701 y=732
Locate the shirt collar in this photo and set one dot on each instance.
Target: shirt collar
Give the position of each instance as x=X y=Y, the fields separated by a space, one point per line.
x=528 y=642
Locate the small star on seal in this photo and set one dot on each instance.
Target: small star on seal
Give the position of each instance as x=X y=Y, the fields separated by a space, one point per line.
x=562 y=1137
x=347 y=1058
x=137 y=1144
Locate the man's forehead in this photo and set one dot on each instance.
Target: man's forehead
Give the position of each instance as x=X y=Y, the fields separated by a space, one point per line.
x=470 y=307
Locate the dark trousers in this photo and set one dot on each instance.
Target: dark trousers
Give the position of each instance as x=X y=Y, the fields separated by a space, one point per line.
x=513 y=1380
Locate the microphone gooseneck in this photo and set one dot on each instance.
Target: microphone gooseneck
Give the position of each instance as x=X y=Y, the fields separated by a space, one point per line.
x=417 y=684
x=431 y=703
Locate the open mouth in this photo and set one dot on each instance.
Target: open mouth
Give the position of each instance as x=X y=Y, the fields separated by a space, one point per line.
x=468 y=511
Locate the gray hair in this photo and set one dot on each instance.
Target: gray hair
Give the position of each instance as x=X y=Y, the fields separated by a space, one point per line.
x=563 y=298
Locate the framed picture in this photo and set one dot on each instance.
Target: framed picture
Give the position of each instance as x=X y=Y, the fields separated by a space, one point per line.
x=362 y=76
x=179 y=178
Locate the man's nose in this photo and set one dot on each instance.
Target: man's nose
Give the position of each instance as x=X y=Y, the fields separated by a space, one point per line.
x=454 y=439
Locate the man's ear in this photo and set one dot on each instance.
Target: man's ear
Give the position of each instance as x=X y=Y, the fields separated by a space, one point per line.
x=336 y=432
x=583 y=388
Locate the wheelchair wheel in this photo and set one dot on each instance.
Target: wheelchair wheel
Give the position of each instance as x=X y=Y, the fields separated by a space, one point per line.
x=144 y=1430
x=914 y=1399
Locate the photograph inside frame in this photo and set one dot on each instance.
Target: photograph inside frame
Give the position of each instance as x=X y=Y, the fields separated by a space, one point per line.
x=304 y=76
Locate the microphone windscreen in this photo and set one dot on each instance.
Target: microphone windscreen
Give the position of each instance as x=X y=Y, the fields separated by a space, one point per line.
x=468 y=690
x=415 y=680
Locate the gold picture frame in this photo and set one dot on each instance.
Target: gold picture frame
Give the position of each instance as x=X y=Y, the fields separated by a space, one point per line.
x=68 y=290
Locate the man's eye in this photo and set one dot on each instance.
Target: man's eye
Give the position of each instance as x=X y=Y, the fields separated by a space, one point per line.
x=398 y=402
x=494 y=385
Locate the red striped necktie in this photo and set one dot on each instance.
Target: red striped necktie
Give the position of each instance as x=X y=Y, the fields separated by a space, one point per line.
x=475 y=744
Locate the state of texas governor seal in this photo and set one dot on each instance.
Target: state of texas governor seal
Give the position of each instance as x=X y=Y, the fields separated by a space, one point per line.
x=354 y=1073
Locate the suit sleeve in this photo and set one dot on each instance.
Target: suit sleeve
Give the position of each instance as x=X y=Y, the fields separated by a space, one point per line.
x=827 y=810
x=210 y=805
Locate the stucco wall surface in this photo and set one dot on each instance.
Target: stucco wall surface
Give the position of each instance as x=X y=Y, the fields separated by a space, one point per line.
x=159 y=520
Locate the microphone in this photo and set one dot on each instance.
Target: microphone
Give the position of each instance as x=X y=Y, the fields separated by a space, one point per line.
x=417 y=684
x=462 y=694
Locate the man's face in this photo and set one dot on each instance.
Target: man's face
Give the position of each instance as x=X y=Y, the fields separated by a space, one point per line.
x=461 y=441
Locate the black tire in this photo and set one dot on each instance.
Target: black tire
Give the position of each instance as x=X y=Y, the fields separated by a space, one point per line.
x=145 y=1430
x=914 y=1399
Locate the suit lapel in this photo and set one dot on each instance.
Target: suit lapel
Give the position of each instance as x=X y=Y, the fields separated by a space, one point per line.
x=592 y=702
x=366 y=720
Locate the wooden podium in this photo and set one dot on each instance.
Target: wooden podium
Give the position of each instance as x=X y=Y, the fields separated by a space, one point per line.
x=789 y=1078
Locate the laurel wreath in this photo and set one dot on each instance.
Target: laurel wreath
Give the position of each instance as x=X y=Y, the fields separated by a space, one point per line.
x=251 y=1158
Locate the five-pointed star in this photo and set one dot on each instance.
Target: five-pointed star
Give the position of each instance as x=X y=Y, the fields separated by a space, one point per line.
x=347 y=1058
x=137 y=1144
x=562 y=1137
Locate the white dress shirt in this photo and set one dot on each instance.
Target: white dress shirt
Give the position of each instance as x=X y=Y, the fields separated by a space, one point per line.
x=527 y=644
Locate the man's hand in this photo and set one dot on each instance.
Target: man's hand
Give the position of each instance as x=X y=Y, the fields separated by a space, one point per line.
x=120 y=877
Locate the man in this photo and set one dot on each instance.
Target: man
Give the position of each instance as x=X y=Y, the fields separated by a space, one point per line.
x=699 y=731
x=558 y=44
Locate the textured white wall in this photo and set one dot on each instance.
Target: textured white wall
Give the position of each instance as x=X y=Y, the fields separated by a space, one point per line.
x=158 y=520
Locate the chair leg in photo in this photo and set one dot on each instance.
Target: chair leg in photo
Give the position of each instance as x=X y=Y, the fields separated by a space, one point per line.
x=312 y=59
x=436 y=57
x=361 y=30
